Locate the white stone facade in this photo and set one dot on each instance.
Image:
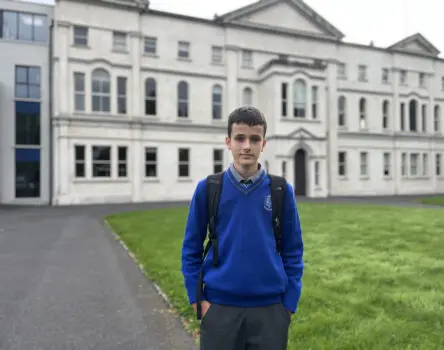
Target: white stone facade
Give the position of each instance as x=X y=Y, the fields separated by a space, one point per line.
x=108 y=54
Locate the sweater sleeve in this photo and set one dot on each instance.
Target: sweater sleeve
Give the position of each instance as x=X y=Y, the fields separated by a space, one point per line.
x=194 y=237
x=292 y=252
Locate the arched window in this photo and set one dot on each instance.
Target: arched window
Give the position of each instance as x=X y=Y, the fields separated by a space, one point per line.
x=436 y=119
x=150 y=97
x=363 y=113
x=342 y=111
x=413 y=105
x=182 y=99
x=247 y=96
x=299 y=98
x=385 y=114
x=101 y=90
x=217 y=102
x=424 y=117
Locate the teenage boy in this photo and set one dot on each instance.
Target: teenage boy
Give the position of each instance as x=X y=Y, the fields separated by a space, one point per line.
x=252 y=290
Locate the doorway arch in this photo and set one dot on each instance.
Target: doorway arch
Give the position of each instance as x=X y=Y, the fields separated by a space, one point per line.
x=300 y=172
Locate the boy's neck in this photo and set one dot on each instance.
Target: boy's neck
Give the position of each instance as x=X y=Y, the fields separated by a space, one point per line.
x=246 y=171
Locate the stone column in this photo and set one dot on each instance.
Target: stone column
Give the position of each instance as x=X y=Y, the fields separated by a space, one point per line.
x=61 y=41
x=395 y=124
x=137 y=90
x=232 y=66
x=331 y=122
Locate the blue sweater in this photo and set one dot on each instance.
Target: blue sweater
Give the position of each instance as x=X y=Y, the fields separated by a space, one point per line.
x=250 y=271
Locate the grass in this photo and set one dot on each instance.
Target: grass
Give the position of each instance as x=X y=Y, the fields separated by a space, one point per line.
x=373 y=278
x=432 y=200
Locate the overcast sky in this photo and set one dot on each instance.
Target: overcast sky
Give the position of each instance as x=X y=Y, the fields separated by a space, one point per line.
x=383 y=21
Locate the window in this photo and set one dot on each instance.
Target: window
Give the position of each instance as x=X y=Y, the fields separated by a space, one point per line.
x=150 y=162
x=101 y=91
x=385 y=75
x=27 y=172
x=122 y=160
x=217 y=102
x=79 y=161
x=421 y=80
x=425 y=164
x=184 y=166
x=438 y=162
x=284 y=168
x=314 y=102
x=183 y=49
x=121 y=95
x=342 y=166
x=101 y=161
x=284 y=99
x=182 y=94
x=342 y=111
x=412 y=115
x=385 y=113
x=342 y=73
x=27 y=82
x=436 y=119
x=119 y=41
x=404 y=164
x=218 y=160
x=247 y=58
x=27 y=123
x=317 y=173
x=79 y=92
x=150 y=45
x=300 y=98
x=150 y=97
x=247 y=96
x=414 y=164
x=362 y=73
x=424 y=117
x=403 y=77
x=23 y=26
x=387 y=164
x=217 y=55
x=363 y=161
x=402 y=111
x=363 y=113
x=80 y=36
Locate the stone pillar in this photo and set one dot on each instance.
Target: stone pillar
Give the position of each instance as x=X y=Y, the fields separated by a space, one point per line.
x=61 y=41
x=331 y=123
x=232 y=66
x=395 y=125
x=137 y=91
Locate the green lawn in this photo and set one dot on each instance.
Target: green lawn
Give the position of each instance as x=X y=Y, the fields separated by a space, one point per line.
x=374 y=277
x=432 y=200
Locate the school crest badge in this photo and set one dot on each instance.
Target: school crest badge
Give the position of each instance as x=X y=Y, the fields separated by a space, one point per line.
x=267 y=202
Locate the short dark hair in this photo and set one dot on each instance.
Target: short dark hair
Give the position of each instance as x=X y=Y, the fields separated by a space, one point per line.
x=246 y=115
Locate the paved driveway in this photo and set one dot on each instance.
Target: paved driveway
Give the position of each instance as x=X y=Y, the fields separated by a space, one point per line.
x=66 y=284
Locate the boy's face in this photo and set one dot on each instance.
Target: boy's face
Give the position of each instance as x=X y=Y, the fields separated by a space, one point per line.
x=246 y=143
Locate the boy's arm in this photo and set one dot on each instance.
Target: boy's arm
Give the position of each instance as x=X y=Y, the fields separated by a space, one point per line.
x=292 y=253
x=194 y=237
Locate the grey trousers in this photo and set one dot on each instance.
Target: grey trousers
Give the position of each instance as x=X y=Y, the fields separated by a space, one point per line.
x=234 y=328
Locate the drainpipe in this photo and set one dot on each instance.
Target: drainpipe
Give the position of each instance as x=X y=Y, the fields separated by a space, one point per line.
x=50 y=114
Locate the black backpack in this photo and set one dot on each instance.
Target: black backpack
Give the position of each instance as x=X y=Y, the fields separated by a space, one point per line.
x=214 y=187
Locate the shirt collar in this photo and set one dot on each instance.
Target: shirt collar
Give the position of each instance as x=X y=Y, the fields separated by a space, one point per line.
x=239 y=177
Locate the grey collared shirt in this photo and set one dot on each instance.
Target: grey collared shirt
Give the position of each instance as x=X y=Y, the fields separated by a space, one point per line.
x=240 y=178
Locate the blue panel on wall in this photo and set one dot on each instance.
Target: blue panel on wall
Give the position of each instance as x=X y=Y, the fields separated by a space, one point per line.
x=24 y=155
x=27 y=107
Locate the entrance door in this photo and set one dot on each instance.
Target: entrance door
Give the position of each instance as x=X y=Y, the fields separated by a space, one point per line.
x=300 y=173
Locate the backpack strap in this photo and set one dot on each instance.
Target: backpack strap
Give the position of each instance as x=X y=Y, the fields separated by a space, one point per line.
x=214 y=187
x=278 y=186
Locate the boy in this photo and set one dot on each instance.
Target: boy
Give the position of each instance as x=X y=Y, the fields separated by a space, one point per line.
x=250 y=295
